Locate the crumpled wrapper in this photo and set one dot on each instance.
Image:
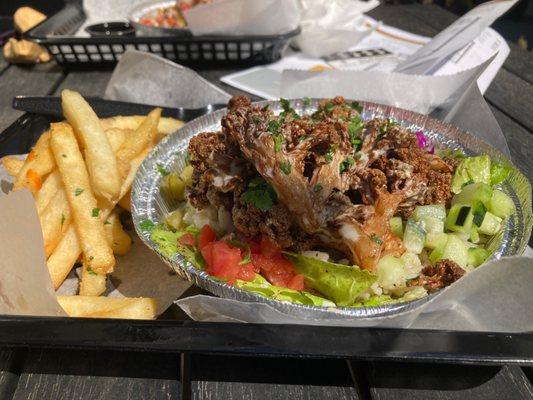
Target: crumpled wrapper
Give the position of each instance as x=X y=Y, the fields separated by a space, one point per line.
x=150 y=79
x=243 y=17
x=332 y=26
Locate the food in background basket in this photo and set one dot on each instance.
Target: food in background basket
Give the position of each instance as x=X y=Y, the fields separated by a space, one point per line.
x=170 y=17
x=329 y=209
x=80 y=173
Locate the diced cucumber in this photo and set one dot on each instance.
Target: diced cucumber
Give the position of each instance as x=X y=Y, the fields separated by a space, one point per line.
x=434 y=240
x=455 y=249
x=434 y=210
x=501 y=205
x=412 y=264
x=396 y=226
x=186 y=175
x=491 y=224
x=478 y=211
x=414 y=237
x=474 y=235
x=477 y=256
x=391 y=272
x=475 y=191
x=460 y=218
x=175 y=219
x=432 y=224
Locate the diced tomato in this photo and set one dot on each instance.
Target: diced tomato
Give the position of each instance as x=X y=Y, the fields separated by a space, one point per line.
x=297 y=282
x=255 y=248
x=247 y=272
x=269 y=248
x=225 y=261
x=276 y=270
x=146 y=21
x=207 y=235
x=187 y=240
x=184 y=6
x=207 y=253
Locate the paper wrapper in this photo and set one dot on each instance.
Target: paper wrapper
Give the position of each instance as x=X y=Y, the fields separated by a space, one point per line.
x=243 y=17
x=331 y=26
x=149 y=79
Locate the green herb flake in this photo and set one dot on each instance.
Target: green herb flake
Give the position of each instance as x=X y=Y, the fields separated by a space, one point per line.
x=90 y=271
x=256 y=119
x=318 y=187
x=273 y=126
x=147 y=225
x=306 y=102
x=303 y=137
x=328 y=108
x=64 y=155
x=95 y=212
x=376 y=239
x=285 y=166
x=357 y=107
x=278 y=142
x=162 y=170
x=62 y=219
x=346 y=164
x=285 y=105
x=78 y=191
x=260 y=194
x=107 y=222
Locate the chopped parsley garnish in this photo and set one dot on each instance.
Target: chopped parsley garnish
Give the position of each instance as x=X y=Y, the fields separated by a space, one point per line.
x=256 y=119
x=273 y=126
x=78 y=191
x=318 y=187
x=260 y=194
x=147 y=225
x=62 y=219
x=285 y=166
x=266 y=107
x=356 y=106
x=64 y=155
x=355 y=127
x=329 y=156
x=347 y=163
x=162 y=170
x=376 y=239
x=278 y=142
x=91 y=258
x=285 y=104
x=287 y=109
x=303 y=137
x=107 y=222
x=95 y=212
x=90 y=271
x=328 y=108
x=306 y=102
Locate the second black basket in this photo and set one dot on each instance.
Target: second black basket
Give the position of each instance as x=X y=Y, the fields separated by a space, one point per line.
x=56 y=34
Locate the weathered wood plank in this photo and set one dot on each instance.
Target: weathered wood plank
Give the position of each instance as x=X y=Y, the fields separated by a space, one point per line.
x=98 y=375
x=9 y=360
x=16 y=80
x=519 y=140
x=215 y=377
x=88 y=83
x=399 y=381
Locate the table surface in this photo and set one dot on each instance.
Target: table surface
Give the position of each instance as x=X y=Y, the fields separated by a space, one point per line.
x=36 y=373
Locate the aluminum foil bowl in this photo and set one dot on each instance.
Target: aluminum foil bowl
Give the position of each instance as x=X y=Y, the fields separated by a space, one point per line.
x=147 y=8
x=147 y=203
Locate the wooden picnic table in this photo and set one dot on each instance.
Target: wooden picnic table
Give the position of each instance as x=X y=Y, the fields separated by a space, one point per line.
x=37 y=373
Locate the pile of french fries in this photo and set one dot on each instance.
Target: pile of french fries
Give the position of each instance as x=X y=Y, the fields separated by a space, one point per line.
x=80 y=173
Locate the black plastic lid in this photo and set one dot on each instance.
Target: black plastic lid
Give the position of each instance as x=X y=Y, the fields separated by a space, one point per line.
x=111 y=29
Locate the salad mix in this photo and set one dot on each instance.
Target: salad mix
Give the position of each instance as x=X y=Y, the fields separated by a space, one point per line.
x=328 y=209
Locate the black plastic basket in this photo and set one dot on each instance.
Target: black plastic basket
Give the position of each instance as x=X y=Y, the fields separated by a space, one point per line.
x=56 y=34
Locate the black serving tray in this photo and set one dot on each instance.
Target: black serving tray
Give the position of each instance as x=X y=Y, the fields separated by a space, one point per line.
x=56 y=34
x=175 y=332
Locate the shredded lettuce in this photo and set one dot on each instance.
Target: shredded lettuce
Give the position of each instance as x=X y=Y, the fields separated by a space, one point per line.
x=262 y=287
x=340 y=283
x=375 y=301
x=498 y=173
x=167 y=242
x=472 y=170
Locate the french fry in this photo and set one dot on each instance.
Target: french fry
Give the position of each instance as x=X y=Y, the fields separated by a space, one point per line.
x=109 y=307
x=165 y=127
x=99 y=156
x=64 y=257
x=91 y=283
x=139 y=140
x=55 y=219
x=39 y=163
x=86 y=215
x=50 y=186
x=125 y=201
x=117 y=238
x=117 y=137
x=12 y=165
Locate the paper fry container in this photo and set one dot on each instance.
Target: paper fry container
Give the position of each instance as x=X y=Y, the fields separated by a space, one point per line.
x=147 y=203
